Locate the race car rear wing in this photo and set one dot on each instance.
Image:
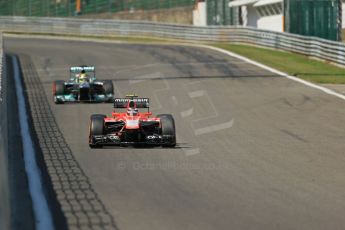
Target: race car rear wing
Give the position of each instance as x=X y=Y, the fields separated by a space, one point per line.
x=78 y=69
x=141 y=103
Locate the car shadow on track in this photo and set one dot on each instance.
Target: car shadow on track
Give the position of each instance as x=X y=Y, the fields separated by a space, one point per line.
x=178 y=146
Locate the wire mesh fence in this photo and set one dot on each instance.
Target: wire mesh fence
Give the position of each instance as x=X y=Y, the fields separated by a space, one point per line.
x=65 y=8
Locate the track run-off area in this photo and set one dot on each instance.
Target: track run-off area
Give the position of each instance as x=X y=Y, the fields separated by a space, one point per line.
x=255 y=150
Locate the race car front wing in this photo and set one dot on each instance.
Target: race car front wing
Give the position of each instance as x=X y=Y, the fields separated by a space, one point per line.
x=72 y=98
x=112 y=139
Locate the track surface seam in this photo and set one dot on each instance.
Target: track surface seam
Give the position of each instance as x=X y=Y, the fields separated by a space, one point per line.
x=80 y=204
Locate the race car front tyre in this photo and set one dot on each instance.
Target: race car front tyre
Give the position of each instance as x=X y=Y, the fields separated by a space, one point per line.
x=84 y=94
x=96 y=128
x=108 y=88
x=58 y=90
x=168 y=130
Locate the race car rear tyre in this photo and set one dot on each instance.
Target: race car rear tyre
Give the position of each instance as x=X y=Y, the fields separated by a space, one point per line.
x=108 y=88
x=58 y=90
x=96 y=128
x=168 y=129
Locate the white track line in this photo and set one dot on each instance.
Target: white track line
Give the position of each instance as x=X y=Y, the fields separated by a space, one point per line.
x=312 y=85
x=214 y=128
x=307 y=83
x=43 y=217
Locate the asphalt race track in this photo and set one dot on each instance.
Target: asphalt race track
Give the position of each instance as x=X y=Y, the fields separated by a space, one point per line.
x=255 y=151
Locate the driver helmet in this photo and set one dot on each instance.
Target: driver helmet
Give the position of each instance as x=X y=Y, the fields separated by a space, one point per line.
x=132 y=112
x=82 y=74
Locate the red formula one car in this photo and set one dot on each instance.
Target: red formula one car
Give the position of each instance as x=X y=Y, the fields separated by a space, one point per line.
x=132 y=127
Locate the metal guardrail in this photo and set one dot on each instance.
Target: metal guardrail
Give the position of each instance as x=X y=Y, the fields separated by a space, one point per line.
x=309 y=46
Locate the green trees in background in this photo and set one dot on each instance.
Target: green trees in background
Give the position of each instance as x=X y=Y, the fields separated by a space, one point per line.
x=65 y=8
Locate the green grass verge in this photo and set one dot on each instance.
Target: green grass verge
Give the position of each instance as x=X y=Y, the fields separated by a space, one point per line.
x=293 y=64
x=290 y=63
x=130 y=39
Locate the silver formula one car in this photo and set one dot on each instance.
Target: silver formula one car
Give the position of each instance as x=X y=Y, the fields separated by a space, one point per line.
x=83 y=86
